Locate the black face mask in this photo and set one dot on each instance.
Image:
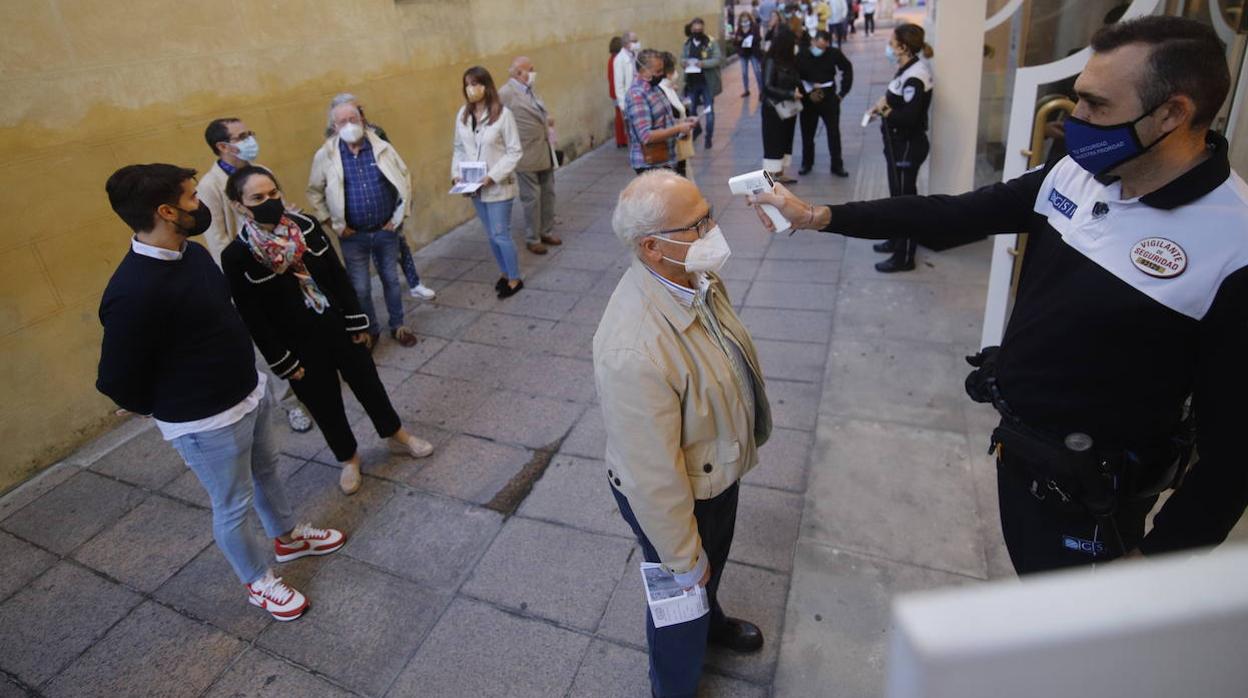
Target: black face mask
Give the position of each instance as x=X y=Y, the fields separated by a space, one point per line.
x=654 y=81
x=202 y=219
x=270 y=212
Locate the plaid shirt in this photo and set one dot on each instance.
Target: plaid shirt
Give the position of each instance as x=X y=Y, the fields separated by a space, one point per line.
x=646 y=110
x=370 y=197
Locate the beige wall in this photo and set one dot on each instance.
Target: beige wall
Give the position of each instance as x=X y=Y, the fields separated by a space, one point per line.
x=90 y=86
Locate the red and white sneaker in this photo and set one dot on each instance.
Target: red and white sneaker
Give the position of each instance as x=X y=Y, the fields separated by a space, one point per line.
x=306 y=540
x=272 y=594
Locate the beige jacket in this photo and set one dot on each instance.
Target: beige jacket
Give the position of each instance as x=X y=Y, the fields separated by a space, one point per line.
x=676 y=421
x=225 y=221
x=497 y=145
x=325 y=182
x=531 y=122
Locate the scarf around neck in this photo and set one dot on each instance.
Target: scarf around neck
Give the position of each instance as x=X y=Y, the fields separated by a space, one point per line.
x=282 y=249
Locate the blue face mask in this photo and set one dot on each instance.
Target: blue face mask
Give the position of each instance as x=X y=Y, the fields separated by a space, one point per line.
x=816 y=51
x=1100 y=149
x=892 y=55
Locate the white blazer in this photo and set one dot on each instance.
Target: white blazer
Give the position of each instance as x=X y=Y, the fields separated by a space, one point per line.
x=497 y=144
x=625 y=70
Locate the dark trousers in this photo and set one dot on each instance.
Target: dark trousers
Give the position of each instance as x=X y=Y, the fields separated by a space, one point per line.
x=904 y=153
x=701 y=97
x=408 y=263
x=1043 y=533
x=868 y=23
x=323 y=358
x=839 y=31
x=829 y=110
x=777 y=134
x=676 y=652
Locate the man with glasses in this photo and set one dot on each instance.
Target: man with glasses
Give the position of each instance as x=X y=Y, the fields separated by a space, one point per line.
x=233 y=145
x=685 y=411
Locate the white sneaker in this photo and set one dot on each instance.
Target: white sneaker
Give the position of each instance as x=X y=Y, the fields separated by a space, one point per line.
x=271 y=593
x=423 y=292
x=306 y=540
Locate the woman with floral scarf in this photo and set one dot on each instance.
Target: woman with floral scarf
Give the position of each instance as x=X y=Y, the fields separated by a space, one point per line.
x=296 y=299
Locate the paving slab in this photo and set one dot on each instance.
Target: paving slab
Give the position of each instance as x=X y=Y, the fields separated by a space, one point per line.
x=147 y=460
x=22 y=563
x=767 y=527
x=550 y=571
x=612 y=671
x=759 y=596
x=164 y=652
x=207 y=589
x=915 y=383
x=589 y=437
x=465 y=361
x=788 y=325
x=430 y=540
x=479 y=650
x=796 y=296
x=51 y=621
x=73 y=512
x=552 y=376
x=437 y=401
x=793 y=405
x=149 y=544
x=783 y=462
x=509 y=331
x=794 y=361
x=361 y=628
x=574 y=491
x=915 y=310
x=469 y=468
x=527 y=420
x=836 y=627
x=260 y=675
x=396 y=356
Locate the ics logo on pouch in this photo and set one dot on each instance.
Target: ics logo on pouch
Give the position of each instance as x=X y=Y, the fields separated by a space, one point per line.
x=1159 y=257
x=1082 y=545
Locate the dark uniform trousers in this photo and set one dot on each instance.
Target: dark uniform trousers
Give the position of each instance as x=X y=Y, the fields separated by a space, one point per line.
x=904 y=153
x=323 y=357
x=829 y=110
x=676 y=652
x=1044 y=533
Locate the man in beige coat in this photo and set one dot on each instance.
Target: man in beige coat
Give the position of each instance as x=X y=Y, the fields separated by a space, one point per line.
x=685 y=410
x=536 y=171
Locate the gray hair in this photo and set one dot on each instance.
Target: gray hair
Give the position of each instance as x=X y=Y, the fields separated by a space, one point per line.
x=339 y=99
x=642 y=208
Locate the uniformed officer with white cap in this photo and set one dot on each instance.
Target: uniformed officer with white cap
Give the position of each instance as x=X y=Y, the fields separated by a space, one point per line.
x=1133 y=298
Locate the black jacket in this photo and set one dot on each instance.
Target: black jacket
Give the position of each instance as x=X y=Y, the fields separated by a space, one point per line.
x=1099 y=346
x=273 y=305
x=819 y=69
x=780 y=80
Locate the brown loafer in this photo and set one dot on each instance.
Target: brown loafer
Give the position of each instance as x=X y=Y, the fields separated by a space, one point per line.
x=551 y=240
x=405 y=337
x=535 y=247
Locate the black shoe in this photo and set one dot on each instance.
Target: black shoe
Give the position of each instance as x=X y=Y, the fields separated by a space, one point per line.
x=840 y=173
x=498 y=285
x=885 y=247
x=893 y=264
x=707 y=143
x=745 y=94
x=697 y=131
x=805 y=170
x=737 y=635
x=507 y=291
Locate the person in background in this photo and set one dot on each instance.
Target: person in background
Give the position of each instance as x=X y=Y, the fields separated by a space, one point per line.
x=838 y=18
x=769 y=35
x=175 y=349
x=903 y=111
x=817 y=65
x=299 y=305
x=625 y=71
x=235 y=146
x=651 y=128
x=781 y=90
x=360 y=188
x=749 y=42
x=868 y=17
x=621 y=136
x=855 y=8
x=702 y=59
x=684 y=145
x=485 y=131
x=765 y=10
x=407 y=261
x=536 y=170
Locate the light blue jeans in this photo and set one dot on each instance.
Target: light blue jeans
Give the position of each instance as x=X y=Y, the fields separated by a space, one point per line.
x=496 y=217
x=237 y=465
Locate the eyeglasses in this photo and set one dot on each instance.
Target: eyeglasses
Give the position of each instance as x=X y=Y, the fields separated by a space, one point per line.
x=702 y=226
x=242 y=136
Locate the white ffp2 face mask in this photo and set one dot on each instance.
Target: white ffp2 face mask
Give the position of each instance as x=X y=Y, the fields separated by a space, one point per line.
x=707 y=254
x=351 y=132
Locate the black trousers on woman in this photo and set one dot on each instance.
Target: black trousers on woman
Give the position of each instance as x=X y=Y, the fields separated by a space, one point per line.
x=904 y=151
x=777 y=133
x=323 y=358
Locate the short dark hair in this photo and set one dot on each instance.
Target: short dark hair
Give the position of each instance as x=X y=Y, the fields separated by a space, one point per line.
x=238 y=179
x=218 y=131
x=824 y=34
x=669 y=62
x=615 y=45
x=1187 y=58
x=136 y=191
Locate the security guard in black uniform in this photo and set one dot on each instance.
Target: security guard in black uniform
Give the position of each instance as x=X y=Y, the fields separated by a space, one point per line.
x=817 y=65
x=1127 y=342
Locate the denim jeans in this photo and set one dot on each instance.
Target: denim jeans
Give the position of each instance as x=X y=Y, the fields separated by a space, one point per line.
x=757 y=65
x=407 y=262
x=382 y=247
x=496 y=217
x=701 y=95
x=237 y=465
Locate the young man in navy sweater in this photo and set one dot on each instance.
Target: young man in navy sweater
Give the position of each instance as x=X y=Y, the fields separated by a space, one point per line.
x=175 y=349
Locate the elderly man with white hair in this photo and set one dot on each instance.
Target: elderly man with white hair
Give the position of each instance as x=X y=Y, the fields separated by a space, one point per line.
x=536 y=170
x=685 y=410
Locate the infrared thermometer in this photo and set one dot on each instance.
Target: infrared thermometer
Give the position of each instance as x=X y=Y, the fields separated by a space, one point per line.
x=760 y=182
